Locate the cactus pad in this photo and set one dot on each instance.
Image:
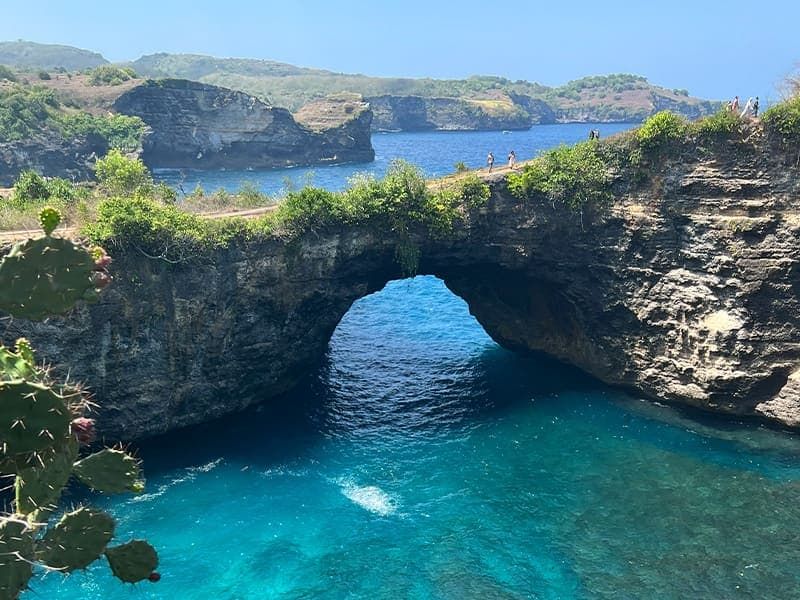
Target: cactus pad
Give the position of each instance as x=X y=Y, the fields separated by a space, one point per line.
x=16 y=556
x=33 y=418
x=132 y=562
x=49 y=218
x=38 y=488
x=45 y=277
x=77 y=540
x=110 y=471
x=17 y=365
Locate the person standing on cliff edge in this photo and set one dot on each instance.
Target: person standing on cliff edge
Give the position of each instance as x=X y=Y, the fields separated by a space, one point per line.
x=490 y=161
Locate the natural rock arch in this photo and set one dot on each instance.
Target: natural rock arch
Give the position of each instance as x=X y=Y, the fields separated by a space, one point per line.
x=685 y=292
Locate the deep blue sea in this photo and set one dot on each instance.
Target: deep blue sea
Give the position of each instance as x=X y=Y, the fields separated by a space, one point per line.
x=423 y=461
x=436 y=153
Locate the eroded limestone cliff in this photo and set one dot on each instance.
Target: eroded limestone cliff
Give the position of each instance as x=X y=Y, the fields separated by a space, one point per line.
x=686 y=290
x=200 y=126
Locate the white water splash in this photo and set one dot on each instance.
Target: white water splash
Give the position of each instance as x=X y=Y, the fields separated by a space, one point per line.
x=191 y=473
x=369 y=497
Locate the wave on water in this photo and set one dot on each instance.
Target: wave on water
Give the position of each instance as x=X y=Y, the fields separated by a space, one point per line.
x=369 y=497
x=191 y=473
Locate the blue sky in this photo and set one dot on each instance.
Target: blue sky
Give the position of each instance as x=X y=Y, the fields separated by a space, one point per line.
x=715 y=49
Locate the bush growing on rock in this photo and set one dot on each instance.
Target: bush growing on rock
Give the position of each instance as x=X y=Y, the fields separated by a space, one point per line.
x=576 y=176
x=30 y=187
x=110 y=75
x=661 y=130
x=783 y=120
x=120 y=174
x=722 y=125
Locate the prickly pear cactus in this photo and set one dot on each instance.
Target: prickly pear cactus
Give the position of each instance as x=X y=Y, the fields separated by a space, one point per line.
x=49 y=218
x=110 y=471
x=33 y=418
x=16 y=556
x=133 y=562
x=77 y=540
x=43 y=426
x=48 y=276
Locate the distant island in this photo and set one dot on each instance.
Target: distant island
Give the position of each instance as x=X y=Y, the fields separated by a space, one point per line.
x=398 y=104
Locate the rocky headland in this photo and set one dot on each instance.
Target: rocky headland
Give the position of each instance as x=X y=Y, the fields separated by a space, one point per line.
x=200 y=126
x=685 y=289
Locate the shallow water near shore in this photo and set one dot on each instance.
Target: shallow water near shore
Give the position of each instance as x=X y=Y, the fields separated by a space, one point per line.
x=423 y=461
x=436 y=153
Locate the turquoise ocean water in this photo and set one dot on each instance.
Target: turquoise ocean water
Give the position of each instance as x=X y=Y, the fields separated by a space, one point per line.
x=423 y=461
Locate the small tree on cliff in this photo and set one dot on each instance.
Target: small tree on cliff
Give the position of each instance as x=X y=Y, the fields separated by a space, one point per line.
x=122 y=175
x=43 y=425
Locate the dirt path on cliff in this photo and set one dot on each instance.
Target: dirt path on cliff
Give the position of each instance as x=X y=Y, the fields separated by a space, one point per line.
x=251 y=213
x=23 y=234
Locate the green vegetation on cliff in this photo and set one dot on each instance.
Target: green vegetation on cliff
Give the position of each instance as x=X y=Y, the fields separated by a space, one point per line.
x=26 y=111
x=784 y=119
x=399 y=204
x=111 y=75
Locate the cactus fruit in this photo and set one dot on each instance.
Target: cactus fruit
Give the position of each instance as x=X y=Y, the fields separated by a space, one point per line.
x=16 y=556
x=83 y=430
x=110 y=471
x=77 y=540
x=49 y=218
x=133 y=562
x=33 y=418
x=38 y=488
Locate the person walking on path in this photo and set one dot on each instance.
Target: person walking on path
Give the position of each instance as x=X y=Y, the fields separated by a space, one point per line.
x=512 y=159
x=490 y=161
x=747 y=108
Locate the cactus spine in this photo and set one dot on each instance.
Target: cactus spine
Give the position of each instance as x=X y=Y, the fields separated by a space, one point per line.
x=43 y=425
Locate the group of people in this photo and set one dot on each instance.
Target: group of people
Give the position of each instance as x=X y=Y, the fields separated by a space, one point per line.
x=750 y=108
x=512 y=160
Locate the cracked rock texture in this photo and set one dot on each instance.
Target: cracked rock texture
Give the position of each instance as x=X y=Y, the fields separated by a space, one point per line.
x=686 y=290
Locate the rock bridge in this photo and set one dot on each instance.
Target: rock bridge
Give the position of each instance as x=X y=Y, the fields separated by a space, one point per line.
x=686 y=291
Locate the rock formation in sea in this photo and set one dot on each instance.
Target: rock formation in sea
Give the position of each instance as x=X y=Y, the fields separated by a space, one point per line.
x=686 y=290
x=201 y=126
x=417 y=113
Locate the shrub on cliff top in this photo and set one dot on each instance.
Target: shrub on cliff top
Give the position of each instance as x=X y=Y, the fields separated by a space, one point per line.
x=574 y=175
x=722 y=125
x=784 y=120
x=110 y=75
x=661 y=130
x=159 y=230
x=120 y=174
